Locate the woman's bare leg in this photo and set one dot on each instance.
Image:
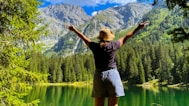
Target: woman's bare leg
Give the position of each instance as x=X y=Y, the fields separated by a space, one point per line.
x=99 y=101
x=112 y=101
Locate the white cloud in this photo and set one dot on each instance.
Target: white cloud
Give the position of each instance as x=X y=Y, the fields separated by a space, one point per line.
x=94 y=13
x=90 y=2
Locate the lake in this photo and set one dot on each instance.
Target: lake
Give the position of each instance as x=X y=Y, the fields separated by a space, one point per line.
x=135 y=96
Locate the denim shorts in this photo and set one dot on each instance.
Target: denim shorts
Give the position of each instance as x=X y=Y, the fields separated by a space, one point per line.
x=107 y=84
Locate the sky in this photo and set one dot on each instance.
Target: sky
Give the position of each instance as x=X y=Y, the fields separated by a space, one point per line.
x=91 y=7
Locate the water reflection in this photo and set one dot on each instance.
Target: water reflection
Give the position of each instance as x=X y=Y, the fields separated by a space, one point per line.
x=61 y=96
x=163 y=96
x=81 y=96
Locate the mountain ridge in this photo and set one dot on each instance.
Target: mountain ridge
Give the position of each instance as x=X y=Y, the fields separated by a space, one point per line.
x=57 y=17
x=115 y=18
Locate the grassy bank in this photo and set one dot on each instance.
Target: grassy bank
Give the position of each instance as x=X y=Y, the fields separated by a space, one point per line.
x=179 y=85
x=155 y=83
x=75 y=84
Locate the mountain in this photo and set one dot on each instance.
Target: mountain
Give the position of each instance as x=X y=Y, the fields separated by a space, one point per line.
x=57 y=17
x=115 y=18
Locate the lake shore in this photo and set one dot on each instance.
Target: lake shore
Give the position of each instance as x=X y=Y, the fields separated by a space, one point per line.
x=155 y=83
x=75 y=84
x=148 y=85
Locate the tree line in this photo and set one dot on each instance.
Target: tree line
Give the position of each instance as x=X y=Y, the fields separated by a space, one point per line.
x=137 y=64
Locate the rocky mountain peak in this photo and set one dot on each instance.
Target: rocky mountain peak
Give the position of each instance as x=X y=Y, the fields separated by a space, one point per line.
x=66 y=13
x=57 y=17
x=117 y=18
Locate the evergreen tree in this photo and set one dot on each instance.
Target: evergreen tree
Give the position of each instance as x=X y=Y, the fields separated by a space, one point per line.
x=141 y=72
x=147 y=68
x=19 y=31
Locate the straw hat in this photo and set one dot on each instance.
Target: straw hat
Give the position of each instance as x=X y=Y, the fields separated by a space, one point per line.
x=106 y=34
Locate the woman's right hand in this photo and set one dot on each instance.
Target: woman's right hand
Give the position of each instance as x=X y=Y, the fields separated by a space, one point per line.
x=70 y=27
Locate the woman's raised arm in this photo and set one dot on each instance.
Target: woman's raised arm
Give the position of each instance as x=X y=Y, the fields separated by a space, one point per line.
x=131 y=33
x=81 y=35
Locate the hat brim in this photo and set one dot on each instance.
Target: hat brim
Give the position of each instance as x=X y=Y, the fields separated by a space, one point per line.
x=107 y=36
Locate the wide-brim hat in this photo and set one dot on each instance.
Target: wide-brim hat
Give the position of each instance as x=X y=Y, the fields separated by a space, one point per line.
x=106 y=34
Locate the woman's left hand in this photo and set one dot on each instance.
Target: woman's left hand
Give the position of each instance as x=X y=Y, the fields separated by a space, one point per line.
x=142 y=24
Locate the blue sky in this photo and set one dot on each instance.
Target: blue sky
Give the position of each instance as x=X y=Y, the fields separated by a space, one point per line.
x=91 y=7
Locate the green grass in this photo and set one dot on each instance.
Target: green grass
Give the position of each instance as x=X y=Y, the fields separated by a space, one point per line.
x=74 y=84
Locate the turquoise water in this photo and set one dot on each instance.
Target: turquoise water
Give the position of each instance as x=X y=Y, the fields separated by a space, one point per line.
x=135 y=96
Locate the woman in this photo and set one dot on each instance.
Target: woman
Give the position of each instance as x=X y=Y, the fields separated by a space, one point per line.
x=107 y=82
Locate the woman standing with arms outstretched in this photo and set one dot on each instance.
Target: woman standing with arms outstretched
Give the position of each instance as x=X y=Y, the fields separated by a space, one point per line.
x=107 y=81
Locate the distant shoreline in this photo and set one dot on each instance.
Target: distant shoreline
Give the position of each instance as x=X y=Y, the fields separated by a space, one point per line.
x=75 y=84
x=148 y=85
x=156 y=83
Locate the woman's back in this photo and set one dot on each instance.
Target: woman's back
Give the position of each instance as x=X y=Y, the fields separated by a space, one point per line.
x=104 y=55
